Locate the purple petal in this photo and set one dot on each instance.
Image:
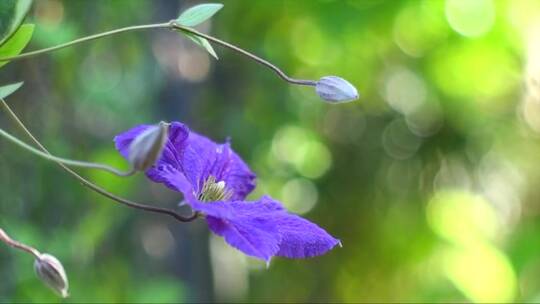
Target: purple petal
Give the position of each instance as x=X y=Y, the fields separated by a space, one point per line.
x=168 y=168
x=257 y=237
x=198 y=155
x=123 y=140
x=173 y=179
x=196 y=158
x=203 y=157
x=243 y=225
x=178 y=134
x=237 y=175
x=255 y=227
x=300 y=238
x=176 y=143
x=265 y=207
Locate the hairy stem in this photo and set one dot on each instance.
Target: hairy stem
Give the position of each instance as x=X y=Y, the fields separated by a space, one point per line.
x=172 y=25
x=67 y=162
x=93 y=186
x=18 y=245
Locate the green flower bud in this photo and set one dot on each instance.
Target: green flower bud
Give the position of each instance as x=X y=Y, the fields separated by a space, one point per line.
x=146 y=148
x=335 y=89
x=52 y=273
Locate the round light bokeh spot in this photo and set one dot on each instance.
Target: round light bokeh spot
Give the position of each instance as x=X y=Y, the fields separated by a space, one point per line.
x=308 y=44
x=157 y=241
x=49 y=13
x=470 y=18
x=398 y=141
x=462 y=217
x=286 y=142
x=315 y=161
x=494 y=279
x=194 y=66
x=419 y=27
x=452 y=175
x=299 y=195
x=426 y=120
x=101 y=72
x=404 y=90
x=299 y=148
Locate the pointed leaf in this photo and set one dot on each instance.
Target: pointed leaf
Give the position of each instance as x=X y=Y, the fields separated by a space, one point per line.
x=7 y=14
x=202 y=42
x=17 y=42
x=9 y=89
x=198 y=14
x=12 y=13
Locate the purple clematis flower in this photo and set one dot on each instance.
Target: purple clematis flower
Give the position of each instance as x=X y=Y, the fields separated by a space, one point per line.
x=215 y=182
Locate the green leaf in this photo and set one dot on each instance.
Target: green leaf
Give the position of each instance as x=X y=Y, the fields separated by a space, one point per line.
x=12 y=13
x=9 y=89
x=7 y=14
x=202 y=42
x=199 y=13
x=17 y=42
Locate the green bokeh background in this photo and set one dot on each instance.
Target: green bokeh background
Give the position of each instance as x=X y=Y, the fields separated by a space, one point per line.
x=430 y=179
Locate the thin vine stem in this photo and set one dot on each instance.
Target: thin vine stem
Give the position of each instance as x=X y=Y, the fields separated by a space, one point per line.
x=172 y=25
x=93 y=186
x=241 y=51
x=5 y=238
x=65 y=161
x=85 y=39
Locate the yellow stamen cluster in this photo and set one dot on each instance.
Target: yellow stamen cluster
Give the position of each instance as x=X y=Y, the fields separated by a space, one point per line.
x=213 y=191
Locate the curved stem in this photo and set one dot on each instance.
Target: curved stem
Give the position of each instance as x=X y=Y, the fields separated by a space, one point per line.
x=95 y=187
x=173 y=26
x=18 y=245
x=252 y=56
x=67 y=162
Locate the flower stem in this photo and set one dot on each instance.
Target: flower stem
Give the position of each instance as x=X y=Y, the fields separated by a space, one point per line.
x=85 y=39
x=93 y=186
x=67 y=162
x=241 y=51
x=18 y=245
x=172 y=25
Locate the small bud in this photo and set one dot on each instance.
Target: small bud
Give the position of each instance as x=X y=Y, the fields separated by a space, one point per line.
x=52 y=273
x=336 y=89
x=146 y=148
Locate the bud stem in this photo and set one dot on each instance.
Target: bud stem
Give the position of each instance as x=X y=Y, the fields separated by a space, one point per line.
x=17 y=245
x=173 y=26
x=93 y=186
x=67 y=162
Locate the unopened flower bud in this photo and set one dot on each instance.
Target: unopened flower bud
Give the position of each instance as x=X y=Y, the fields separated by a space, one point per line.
x=336 y=89
x=52 y=273
x=146 y=148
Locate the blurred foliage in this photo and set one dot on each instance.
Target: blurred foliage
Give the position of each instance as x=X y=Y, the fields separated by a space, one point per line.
x=12 y=14
x=429 y=180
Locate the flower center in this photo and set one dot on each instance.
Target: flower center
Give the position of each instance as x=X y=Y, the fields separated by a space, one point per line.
x=214 y=191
